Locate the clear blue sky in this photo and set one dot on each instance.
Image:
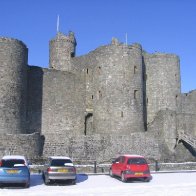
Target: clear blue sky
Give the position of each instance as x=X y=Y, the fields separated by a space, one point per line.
x=167 y=26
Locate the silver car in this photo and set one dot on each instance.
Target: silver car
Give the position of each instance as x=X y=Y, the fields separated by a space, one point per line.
x=59 y=168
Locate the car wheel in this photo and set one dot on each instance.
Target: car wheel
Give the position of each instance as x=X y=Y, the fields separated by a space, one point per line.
x=43 y=177
x=73 y=182
x=46 y=182
x=146 y=179
x=123 y=179
x=111 y=173
x=27 y=185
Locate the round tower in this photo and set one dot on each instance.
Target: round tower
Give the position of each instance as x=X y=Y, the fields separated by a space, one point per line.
x=62 y=49
x=13 y=86
x=118 y=89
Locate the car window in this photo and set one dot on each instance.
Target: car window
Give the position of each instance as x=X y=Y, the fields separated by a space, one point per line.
x=138 y=161
x=11 y=162
x=122 y=160
x=117 y=160
x=60 y=162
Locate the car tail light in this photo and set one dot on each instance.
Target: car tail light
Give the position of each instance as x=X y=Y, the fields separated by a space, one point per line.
x=49 y=169
x=0 y=163
x=73 y=169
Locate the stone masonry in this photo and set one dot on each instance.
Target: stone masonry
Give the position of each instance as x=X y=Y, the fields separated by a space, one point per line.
x=116 y=99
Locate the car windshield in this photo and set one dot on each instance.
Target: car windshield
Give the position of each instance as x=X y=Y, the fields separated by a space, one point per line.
x=138 y=161
x=60 y=162
x=11 y=162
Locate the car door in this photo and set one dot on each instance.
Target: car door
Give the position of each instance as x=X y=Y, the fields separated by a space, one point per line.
x=115 y=166
x=120 y=166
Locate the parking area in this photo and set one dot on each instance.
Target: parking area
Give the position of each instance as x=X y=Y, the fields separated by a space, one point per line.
x=162 y=184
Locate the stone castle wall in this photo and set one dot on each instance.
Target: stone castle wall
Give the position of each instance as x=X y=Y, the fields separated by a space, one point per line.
x=101 y=147
x=62 y=49
x=62 y=107
x=164 y=127
x=35 y=96
x=30 y=145
x=187 y=114
x=116 y=99
x=13 y=86
x=162 y=83
x=118 y=90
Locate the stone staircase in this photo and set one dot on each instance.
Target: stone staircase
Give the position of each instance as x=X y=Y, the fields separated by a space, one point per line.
x=187 y=138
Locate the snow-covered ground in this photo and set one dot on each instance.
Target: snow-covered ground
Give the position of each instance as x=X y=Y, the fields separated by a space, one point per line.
x=162 y=184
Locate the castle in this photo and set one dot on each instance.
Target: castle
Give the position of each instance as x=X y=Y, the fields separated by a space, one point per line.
x=116 y=99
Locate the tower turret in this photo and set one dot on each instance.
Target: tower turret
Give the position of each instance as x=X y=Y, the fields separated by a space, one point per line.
x=62 y=49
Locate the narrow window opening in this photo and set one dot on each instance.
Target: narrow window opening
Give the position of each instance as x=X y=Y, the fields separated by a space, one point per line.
x=122 y=114
x=99 y=70
x=147 y=101
x=145 y=77
x=100 y=94
x=87 y=71
x=135 y=94
x=92 y=96
x=135 y=69
x=86 y=122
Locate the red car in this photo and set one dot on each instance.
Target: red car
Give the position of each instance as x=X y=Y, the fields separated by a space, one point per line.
x=130 y=167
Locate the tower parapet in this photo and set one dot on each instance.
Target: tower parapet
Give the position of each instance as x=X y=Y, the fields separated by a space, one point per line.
x=62 y=49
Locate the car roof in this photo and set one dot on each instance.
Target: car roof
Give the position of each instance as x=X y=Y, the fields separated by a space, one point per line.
x=133 y=155
x=13 y=157
x=59 y=157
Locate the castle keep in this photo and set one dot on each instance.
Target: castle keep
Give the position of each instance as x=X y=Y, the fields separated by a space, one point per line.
x=116 y=99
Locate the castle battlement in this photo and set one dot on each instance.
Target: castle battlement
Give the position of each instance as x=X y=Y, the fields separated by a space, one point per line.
x=11 y=41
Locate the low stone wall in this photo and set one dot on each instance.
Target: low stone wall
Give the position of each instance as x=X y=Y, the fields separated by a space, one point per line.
x=101 y=148
x=96 y=168
x=29 y=145
x=173 y=166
